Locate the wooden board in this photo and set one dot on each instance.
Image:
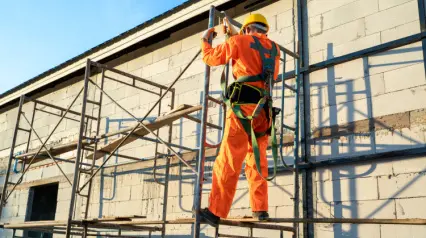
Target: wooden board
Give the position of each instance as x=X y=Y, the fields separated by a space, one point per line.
x=157 y=124
x=114 y=218
x=162 y=121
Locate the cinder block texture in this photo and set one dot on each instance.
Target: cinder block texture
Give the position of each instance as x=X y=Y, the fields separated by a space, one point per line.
x=387 y=83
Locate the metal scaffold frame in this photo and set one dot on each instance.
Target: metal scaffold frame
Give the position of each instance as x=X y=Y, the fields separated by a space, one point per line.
x=89 y=144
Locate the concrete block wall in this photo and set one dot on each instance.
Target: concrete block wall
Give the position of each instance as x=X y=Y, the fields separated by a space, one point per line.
x=385 y=84
x=354 y=91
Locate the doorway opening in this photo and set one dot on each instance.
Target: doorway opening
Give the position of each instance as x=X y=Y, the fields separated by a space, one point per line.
x=42 y=206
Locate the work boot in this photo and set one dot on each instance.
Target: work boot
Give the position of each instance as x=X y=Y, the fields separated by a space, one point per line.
x=209 y=217
x=261 y=216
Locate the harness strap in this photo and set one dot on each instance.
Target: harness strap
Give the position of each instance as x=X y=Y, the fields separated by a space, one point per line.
x=265 y=100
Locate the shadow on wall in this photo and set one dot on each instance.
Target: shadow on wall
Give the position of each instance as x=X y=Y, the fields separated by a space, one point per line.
x=337 y=148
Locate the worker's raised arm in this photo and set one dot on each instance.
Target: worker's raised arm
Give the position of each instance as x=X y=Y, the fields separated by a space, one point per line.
x=219 y=55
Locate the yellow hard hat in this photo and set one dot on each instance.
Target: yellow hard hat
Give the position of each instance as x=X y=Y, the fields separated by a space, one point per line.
x=255 y=18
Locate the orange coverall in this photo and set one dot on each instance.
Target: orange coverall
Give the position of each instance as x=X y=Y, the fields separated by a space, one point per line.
x=236 y=145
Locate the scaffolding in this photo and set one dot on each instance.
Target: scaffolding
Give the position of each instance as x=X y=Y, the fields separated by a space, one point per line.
x=89 y=146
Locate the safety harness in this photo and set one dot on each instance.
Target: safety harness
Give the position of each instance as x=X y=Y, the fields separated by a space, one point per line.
x=239 y=93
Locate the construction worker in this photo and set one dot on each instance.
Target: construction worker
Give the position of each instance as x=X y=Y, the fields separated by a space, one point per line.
x=254 y=59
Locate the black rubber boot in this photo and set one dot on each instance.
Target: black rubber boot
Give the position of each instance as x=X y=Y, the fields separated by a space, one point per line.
x=209 y=217
x=261 y=216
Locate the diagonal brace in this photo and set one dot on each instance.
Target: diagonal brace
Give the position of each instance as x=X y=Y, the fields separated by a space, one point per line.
x=39 y=150
x=47 y=150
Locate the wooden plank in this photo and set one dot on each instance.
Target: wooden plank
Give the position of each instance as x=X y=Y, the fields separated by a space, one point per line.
x=235 y=236
x=160 y=122
x=178 y=113
x=114 y=218
x=54 y=150
x=415 y=221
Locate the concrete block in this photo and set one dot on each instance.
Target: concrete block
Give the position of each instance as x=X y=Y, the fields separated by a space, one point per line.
x=322 y=174
x=276 y=8
x=155 y=68
x=385 y=4
x=412 y=101
x=347 y=190
x=401 y=31
x=151 y=190
x=167 y=51
x=393 y=231
x=347 y=32
x=284 y=212
x=390 y=141
x=343 y=72
x=316 y=24
x=353 y=145
x=323 y=210
x=240 y=212
x=23 y=198
x=191 y=83
x=357 y=89
x=268 y=233
x=191 y=41
x=346 y=230
x=281 y=195
x=123 y=193
x=316 y=57
x=140 y=62
x=136 y=192
x=319 y=79
x=414 y=75
x=391 y=17
x=183 y=58
x=283 y=179
x=411 y=208
x=401 y=186
x=409 y=165
x=285 y=19
x=379 y=209
x=32 y=175
x=241 y=199
x=197 y=67
x=360 y=170
x=323 y=6
x=65 y=194
x=324 y=150
x=129 y=103
x=340 y=114
x=349 y=12
x=62 y=207
x=167 y=77
x=22 y=210
x=128 y=208
x=319 y=98
x=357 y=45
x=184 y=206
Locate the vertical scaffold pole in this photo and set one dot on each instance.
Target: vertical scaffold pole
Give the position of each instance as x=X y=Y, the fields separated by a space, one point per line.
x=201 y=153
x=167 y=173
x=296 y=143
x=79 y=151
x=12 y=151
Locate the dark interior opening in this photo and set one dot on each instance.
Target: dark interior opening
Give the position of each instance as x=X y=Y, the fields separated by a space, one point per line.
x=42 y=206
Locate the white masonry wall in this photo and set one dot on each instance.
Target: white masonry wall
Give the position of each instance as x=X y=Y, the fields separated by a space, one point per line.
x=389 y=83
x=372 y=87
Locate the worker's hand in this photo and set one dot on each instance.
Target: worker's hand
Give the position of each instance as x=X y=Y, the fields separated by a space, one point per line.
x=228 y=28
x=207 y=33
